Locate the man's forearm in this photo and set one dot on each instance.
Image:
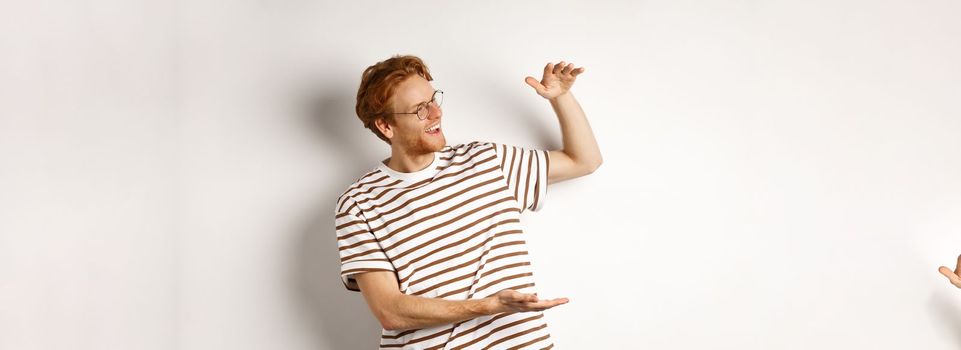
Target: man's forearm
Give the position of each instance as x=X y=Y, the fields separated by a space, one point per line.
x=578 y=138
x=413 y=312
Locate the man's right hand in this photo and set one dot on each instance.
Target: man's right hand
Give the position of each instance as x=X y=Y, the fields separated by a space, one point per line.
x=513 y=301
x=953 y=276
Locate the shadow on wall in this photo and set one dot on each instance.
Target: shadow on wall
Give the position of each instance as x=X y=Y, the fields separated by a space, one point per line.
x=522 y=115
x=340 y=318
x=946 y=314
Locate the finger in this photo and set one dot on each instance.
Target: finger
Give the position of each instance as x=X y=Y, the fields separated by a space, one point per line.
x=944 y=270
x=558 y=67
x=546 y=304
x=549 y=302
x=954 y=278
x=559 y=301
x=530 y=299
x=535 y=84
x=525 y=304
x=578 y=71
x=957 y=270
x=548 y=69
x=567 y=69
x=524 y=297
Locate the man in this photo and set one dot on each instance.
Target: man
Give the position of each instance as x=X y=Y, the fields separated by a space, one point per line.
x=432 y=237
x=953 y=276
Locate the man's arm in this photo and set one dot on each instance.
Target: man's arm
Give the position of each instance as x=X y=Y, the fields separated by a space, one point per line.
x=580 y=155
x=398 y=311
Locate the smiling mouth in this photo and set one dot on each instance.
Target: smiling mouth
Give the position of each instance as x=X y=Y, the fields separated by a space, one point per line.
x=433 y=130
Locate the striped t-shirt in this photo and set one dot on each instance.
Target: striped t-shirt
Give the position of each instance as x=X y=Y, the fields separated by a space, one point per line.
x=450 y=231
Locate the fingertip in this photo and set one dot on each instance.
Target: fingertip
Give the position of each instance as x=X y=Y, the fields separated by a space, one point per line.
x=944 y=270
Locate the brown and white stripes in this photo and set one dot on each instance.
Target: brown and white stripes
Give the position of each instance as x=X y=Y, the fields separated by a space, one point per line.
x=450 y=231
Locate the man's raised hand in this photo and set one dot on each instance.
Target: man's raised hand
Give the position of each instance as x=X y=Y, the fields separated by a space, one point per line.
x=513 y=301
x=558 y=79
x=953 y=276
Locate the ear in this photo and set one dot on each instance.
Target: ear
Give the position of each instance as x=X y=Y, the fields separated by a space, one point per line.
x=384 y=128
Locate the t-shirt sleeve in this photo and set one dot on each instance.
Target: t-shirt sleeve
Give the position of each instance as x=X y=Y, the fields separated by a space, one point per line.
x=525 y=170
x=359 y=249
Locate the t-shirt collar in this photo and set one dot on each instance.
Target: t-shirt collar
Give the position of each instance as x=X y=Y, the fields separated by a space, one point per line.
x=415 y=176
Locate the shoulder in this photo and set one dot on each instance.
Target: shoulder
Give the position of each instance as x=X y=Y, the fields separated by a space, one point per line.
x=469 y=150
x=359 y=187
x=473 y=145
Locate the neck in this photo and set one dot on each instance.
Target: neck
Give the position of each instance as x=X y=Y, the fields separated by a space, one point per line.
x=404 y=162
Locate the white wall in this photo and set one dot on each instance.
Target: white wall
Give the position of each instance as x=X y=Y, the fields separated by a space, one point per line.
x=778 y=175
x=88 y=176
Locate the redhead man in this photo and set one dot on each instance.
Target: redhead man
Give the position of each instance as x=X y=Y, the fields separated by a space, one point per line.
x=432 y=235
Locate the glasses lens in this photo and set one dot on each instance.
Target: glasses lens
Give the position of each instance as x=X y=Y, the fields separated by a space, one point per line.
x=438 y=97
x=422 y=111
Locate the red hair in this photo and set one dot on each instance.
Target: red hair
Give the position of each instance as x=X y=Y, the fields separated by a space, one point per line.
x=377 y=85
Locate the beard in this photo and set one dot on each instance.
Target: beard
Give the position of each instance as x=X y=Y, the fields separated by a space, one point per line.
x=424 y=143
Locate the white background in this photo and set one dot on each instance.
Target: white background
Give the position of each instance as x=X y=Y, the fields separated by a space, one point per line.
x=778 y=175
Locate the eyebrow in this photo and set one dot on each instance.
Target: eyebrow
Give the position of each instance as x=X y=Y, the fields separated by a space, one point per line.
x=420 y=103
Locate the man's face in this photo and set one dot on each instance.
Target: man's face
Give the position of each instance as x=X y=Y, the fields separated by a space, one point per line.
x=409 y=132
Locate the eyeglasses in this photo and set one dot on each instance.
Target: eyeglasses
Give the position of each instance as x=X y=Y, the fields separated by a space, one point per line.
x=422 y=111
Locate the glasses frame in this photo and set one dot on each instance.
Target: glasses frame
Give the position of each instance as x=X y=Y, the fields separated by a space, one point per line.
x=422 y=105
